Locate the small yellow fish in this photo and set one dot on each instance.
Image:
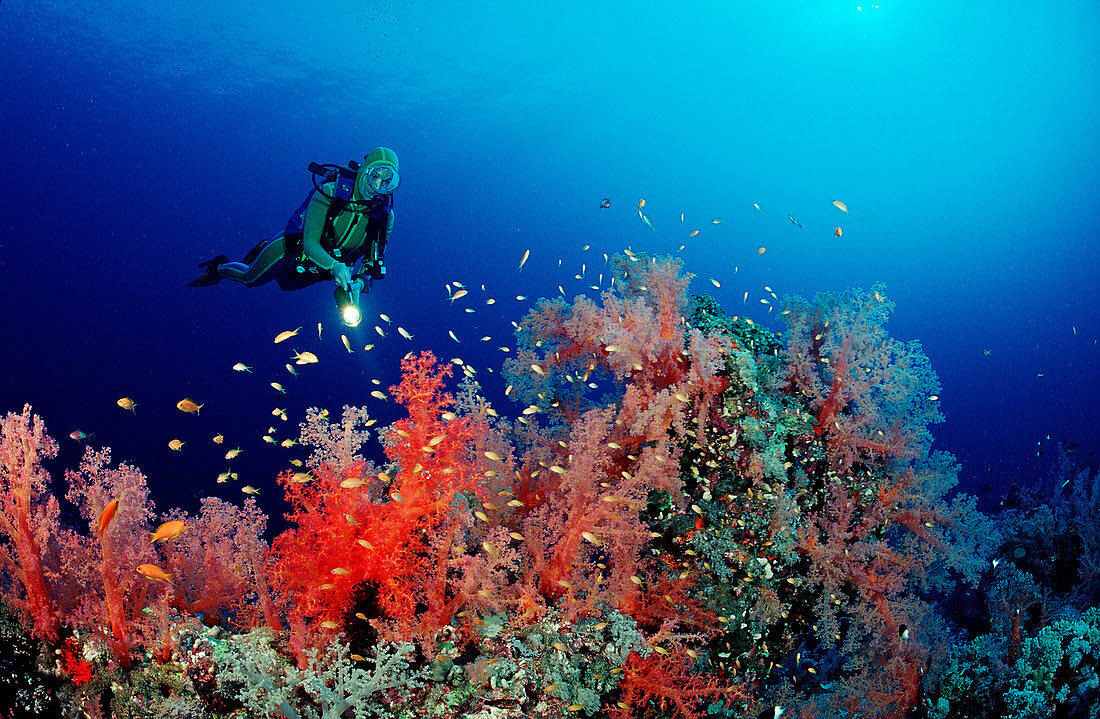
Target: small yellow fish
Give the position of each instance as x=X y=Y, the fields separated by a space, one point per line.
x=318 y=330
x=186 y=405
x=458 y=295
x=278 y=387
x=152 y=571
x=521 y=298
x=168 y=530
x=526 y=254
x=176 y=444
x=223 y=477
x=404 y=333
x=280 y=413
x=694 y=233
x=716 y=221
x=301 y=477
x=761 y=251
x=305 y=358
x=284 y=336
x=377 y=395
x=248 y=489
x=269 y=439
x=288 y=443
x=879 y=296
x=127 y=403
x=538 y=369
x=233 y=453
x=840 y=206
x=242 y=367
x=329 y=624
x=493 y=456
x=715 y=282
x=291 y=369
x=589 y=537
x=641 y=204
x=385 y=318
x=347 y=345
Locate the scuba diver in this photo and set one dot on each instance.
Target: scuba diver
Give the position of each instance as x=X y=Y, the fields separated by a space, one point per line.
x=344 y=220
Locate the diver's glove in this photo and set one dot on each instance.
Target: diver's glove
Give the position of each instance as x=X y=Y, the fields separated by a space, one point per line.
x=357 y=286
x=341 y=275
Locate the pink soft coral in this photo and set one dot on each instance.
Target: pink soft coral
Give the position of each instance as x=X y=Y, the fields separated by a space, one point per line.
x=872 y=394
x=28 y=518
x=114 y=596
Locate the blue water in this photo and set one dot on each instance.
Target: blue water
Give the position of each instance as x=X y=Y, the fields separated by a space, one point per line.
x=140 y=138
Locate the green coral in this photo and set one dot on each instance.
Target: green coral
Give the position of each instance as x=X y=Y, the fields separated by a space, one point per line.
x=1056 y=667
x=262 y=679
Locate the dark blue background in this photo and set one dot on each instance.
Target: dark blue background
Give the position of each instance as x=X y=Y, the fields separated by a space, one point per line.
x=140 y=139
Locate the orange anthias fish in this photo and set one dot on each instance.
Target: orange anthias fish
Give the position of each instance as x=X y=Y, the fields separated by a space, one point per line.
x=186 y=405
x=152 y=571
x=106 y=516
x=838 y=232
x=169 y=530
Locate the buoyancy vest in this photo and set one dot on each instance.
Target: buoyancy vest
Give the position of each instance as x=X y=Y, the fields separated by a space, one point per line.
x=376 y=210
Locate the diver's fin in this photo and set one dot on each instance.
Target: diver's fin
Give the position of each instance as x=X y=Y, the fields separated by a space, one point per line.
x=210 y=274
x=255 y=252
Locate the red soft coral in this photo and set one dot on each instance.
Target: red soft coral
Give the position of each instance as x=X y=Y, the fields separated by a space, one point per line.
x=667 y=682
x=361 y=526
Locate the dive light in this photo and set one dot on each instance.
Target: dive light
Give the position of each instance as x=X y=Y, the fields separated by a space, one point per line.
x=348 y=307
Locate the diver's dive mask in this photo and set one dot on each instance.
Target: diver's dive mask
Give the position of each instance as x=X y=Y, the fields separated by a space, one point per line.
x=378 y=179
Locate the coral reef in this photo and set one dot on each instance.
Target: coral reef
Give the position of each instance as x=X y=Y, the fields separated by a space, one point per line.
x=690 y=515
